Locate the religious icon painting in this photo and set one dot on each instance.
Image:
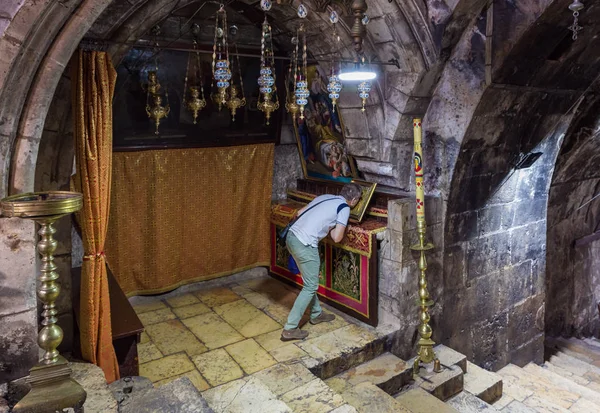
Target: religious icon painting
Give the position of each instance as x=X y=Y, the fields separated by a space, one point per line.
x=345 y=277
x=320 y=135
x=368 y=189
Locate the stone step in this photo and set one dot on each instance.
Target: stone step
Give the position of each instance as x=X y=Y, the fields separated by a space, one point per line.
x=442 y=385
x=516 y=406
x=592 y=341
x=482 y=383
x=569 y=375
x=419 y=401
x=563 y=383
x=387 y=372
x=576 y=366
x=366 y=397
x=572 y=348
x=533 y=390
x=466 y=402
x=578 y=348
x=180 y=395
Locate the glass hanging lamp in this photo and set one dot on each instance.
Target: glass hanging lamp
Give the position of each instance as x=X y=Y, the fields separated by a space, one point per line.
x=334 y=87
x=221 y=70
x=302 y=92
x=267 y=102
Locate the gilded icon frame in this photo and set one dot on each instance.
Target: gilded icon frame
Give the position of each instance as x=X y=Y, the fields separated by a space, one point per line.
x=368 y=189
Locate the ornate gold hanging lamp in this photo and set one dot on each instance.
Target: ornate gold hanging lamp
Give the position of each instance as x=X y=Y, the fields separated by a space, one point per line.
x=290 y=101
x=197 y=102
x=234 y=102
x=155 y=109
x=220 y=62
x=267 y=101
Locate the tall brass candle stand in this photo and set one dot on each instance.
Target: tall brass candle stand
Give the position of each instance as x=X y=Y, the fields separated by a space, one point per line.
x=425 y=353
x=52 y=388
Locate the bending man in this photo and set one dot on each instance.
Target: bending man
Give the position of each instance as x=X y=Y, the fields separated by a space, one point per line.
x=326 y=214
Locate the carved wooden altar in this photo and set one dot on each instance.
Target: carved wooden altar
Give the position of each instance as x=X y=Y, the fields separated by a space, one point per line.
x=349 y=270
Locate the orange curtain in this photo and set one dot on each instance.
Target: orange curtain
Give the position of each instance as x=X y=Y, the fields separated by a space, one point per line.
x=93 y=81
x=185 y=215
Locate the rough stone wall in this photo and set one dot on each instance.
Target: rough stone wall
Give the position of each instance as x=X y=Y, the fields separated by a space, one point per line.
x=573 y=282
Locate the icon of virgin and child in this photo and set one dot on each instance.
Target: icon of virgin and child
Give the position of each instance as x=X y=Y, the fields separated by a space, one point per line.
x=320 y=133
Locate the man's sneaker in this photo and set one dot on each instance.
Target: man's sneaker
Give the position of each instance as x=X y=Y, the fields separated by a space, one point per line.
x=323 y=318
x=294 y=334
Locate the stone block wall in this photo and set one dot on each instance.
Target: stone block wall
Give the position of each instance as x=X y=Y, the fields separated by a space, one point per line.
x=399 y=272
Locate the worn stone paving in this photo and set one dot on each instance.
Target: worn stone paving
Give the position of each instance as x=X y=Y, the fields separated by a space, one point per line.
x=226 y=340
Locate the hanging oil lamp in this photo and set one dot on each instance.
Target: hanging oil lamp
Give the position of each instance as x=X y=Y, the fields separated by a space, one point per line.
x=157 y=111
x=302 y=92
x=197 y=102
x=575 y=7
x=266 y=81
x=234 y=102
x=334 y=87
x=290 y=102
x=363 y=92
x=221 y=71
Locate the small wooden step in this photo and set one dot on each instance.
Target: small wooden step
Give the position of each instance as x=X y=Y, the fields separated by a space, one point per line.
x=482 y=383
x=419 y=401
x=368 y=398
x=564 y=383
x=387 y=371
x=466 y=402
x=534 y=391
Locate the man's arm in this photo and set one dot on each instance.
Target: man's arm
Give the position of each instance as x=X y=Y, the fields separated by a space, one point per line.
x=337 y=233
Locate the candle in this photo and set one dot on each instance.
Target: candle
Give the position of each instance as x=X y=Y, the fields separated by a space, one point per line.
x=418 y=160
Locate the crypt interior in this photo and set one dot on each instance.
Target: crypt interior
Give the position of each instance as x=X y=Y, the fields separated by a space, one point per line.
x=469 y=276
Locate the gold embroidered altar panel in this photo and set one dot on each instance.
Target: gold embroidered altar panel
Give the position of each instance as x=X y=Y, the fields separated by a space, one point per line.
x=184 y=215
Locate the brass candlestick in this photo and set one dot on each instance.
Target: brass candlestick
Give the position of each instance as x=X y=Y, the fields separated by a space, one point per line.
x=425 y=353
x=234 y=102
x=52 y=388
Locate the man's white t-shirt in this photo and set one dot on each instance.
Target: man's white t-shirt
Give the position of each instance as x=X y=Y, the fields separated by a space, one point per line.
x=314 y=225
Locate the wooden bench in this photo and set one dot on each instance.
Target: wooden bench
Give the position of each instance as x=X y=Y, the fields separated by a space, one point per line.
x=126 y=325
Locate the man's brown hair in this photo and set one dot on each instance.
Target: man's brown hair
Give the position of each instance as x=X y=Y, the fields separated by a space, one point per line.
x=351 y=191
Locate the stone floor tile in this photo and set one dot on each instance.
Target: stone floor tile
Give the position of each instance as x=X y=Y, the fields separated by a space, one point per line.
x=194 y=377
x=368 y=398
x=166 y=367
x=271 y=341
x=149 y=305
x=246 y=395
x=277 y=312
x=337 y=342
x=212 y=330
x=287 y=353
x=246 y=318
x=284 y=377
x=173 y=337
x=466 y=402
x=144 y=337
x=182 y=300
x=217 y=296
x=314 y=396
x=191 y=310
x=250 y=356
x=512 y=388
x=147 y=352
x=158 y=316
x=217 y=367
x=316 y=330
x=344 y=409
x=241 y=290
x=258 y=300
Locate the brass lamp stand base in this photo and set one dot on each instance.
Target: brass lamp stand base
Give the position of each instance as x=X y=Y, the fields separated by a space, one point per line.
x=425 y=354
x=52 y=390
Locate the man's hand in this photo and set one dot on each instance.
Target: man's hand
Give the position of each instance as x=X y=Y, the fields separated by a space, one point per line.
x=337 y=233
